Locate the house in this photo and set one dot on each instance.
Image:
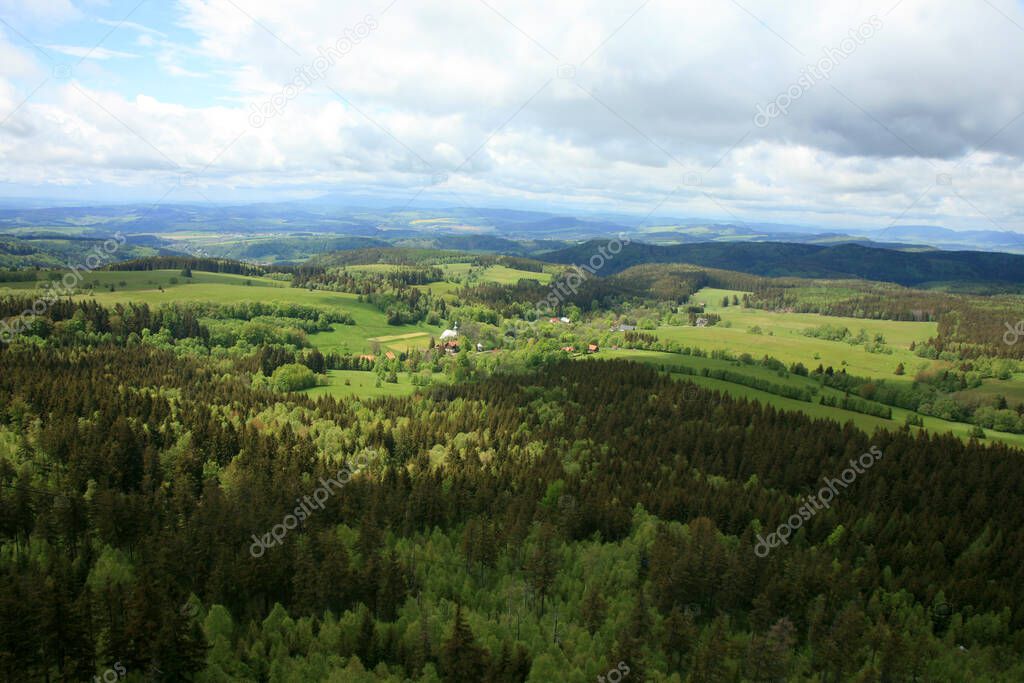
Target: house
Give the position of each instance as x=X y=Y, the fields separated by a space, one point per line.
x=390 y=355
x=626 y=328
x=553 y=321
x=592 y=348
x=701 y=322
x=450 y=346
x=479 y=347
x=569 y=349
x=563 y=320
x=367 y=356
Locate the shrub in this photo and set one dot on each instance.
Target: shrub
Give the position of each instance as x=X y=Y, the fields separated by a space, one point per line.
x=293 y=377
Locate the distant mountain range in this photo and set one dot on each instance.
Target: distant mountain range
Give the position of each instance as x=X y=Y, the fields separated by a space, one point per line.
x=390 y=220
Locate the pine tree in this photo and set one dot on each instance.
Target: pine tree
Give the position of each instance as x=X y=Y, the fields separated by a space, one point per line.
x=680 y=634
x=593 y=609
x=462 y=660
x=366 y=647
x=709 y=659
x=633 y=638
x=543 y=563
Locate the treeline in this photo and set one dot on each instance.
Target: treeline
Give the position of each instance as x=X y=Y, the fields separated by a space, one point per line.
x=26 y=275
x=796 y=393
x=857 y=405
x=363 y=282
x=70 y=322
x=196 y=326
x=852 y=299
x=401 y=256
x=587 y=291
x=981 y=327
x=208 y=265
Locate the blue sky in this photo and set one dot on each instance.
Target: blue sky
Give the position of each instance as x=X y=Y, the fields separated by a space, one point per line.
x=852 y=114
x=129 y=55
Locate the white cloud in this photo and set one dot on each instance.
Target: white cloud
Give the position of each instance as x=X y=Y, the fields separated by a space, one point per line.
x=82 y=52
x=657 y=99
x=131 y=25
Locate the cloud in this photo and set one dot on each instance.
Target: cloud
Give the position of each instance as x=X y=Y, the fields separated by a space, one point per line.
x=46 y=11
x=139 y=28
x=577 y=103
x=100 y=53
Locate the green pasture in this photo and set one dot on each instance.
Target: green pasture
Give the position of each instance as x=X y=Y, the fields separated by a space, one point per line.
x=502 y=275
x=781 y=336
x=221 y=288
x=145 y=285
x=363 y=384
x=1011 y=389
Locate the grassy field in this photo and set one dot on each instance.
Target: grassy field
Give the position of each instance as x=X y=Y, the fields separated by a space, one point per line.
x=781 y=336
x=500 y=274
x=145 y=287
x=462 y=271
x=866 y=422
x=1012 y=390
x=362 y=384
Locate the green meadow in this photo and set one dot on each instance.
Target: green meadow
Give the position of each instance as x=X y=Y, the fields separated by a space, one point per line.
x=361 y=384
x=502 y=275
x=169 y=286
x=781 y=335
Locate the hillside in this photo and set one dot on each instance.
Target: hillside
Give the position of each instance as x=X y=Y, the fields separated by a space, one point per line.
x=778 y=259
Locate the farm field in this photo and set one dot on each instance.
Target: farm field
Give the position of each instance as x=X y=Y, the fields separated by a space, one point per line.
x=500 y=274
x=363 y=384
x=781 y=336
x=461 y=271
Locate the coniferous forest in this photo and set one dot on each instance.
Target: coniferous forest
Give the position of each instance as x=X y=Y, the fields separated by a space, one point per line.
x=548 y=524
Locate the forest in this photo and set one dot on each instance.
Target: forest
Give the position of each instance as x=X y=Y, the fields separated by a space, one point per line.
x=175 y=506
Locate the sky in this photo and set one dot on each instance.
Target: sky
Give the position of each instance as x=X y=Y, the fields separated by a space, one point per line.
x=832 y=113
